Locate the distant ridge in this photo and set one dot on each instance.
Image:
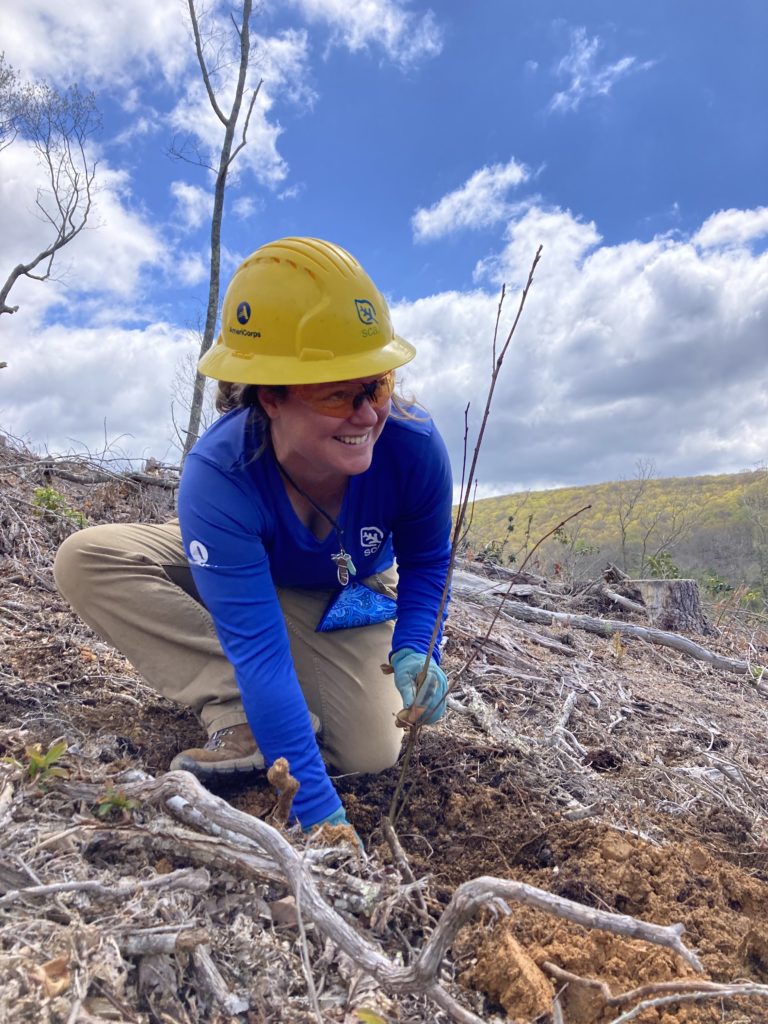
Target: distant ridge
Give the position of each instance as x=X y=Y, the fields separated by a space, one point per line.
x=710 y=527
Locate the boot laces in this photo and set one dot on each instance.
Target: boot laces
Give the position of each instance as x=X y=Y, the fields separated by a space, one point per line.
x=216 y=741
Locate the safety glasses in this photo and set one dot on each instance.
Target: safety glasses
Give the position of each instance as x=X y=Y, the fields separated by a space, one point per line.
x=341 y=399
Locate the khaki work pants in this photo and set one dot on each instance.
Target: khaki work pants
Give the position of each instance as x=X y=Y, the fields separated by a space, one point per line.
x=132 y=585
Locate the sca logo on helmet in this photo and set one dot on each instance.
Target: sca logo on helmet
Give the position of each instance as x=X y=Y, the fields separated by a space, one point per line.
x=243 y=313
x=366 y=314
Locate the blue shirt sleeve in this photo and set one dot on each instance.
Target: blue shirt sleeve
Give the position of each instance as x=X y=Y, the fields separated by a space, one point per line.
x=421 y=537
x=236 y=587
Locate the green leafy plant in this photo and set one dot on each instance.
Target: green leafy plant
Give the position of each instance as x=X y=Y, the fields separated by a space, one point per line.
x=753 y=599
x=715 y=584
x=41 y=766
x=113 y=802
x=661 y=567
x=51 y=504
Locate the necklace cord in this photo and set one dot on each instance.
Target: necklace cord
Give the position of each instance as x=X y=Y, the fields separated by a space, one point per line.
x=312 y=502
x=342 y=561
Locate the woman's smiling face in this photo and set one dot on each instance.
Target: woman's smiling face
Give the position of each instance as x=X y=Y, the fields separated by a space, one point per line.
x=318 y=447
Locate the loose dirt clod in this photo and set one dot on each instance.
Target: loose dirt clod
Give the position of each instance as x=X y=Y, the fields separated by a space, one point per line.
x=507 y=974
x=279 y=776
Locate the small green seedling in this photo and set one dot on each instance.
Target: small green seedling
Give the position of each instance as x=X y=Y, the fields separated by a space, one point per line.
x=115 y=801
x=41 y=765
x=51 y=504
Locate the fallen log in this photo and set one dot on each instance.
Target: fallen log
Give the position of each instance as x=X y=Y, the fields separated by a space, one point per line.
x=609 y=627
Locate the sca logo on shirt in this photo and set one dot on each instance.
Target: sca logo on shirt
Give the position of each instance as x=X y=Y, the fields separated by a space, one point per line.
x=198 y=553
x=370 y=539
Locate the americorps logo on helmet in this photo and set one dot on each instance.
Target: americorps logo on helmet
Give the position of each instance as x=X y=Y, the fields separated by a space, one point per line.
x=243 y=313
x=247 y=334
x=198 y=553
x=370 y=539
x=366 y=311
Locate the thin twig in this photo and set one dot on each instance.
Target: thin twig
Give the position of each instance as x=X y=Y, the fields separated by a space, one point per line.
x=415 y=711
x=401 y=860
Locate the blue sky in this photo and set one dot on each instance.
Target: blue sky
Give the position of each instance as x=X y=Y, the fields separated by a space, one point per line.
x=440 y=145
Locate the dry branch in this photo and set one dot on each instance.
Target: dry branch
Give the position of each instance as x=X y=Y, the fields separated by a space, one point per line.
x=662 y=993
x=169 y=482
x=623 y=602
x=723 y=992
x=420 y=976
x=150 y=941
x=609 y=627
x=197 y=880
x=214 y=984
x=221 y=850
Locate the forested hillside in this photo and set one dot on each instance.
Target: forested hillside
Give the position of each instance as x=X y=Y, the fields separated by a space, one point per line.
x=712 y=528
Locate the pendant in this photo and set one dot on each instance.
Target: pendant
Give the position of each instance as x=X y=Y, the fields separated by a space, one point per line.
x=344 y=567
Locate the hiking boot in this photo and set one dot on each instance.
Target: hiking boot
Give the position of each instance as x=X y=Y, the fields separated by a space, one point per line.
x=231 y=751
x=228 y=752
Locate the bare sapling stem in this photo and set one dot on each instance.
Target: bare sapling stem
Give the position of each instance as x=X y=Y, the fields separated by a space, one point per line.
x=411 y=717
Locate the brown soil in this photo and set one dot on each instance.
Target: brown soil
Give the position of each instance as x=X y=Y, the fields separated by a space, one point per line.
x=656 y=810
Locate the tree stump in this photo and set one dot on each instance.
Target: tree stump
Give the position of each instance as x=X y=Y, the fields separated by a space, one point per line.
x=674 y=605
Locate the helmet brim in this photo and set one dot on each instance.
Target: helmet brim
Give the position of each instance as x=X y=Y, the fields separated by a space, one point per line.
x=222 y=363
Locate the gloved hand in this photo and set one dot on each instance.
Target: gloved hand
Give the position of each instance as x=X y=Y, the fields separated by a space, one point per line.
x=432 y=693
x=337 y=818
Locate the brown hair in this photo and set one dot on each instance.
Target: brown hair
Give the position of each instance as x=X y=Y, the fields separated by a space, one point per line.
x=237 y=396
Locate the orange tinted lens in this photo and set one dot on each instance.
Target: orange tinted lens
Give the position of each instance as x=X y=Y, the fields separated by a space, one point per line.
x=342 y=400
x=385 y=388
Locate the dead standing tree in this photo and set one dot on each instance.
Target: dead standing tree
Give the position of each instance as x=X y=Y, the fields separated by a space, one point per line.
x=58 y=125
x=227 y=155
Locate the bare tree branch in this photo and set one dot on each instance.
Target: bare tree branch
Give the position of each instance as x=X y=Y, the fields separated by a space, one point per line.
x=226 y=157
x=58 y=126
x=203 y=65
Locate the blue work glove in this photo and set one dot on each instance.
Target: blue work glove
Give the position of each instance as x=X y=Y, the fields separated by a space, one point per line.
x=432 y=693
x=337 y=818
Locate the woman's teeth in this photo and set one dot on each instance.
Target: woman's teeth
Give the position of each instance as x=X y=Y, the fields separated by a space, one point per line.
x=360 y=439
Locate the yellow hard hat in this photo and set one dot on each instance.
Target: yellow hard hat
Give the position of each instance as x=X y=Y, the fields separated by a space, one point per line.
x=303 y=311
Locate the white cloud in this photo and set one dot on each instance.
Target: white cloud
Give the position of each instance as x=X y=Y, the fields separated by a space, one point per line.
x=245 y=207
x=142 y=126
x=142 y=43
x=406 y=38
x=108 y=257
x=292 y=192
x=587 y=79
x=646 y=349
x=95 y=43
x=282 y=64
x=193 y=204
x=192 y=268
x=565 y=240
x=69 y=389
x=733 y=227
x=480 y=202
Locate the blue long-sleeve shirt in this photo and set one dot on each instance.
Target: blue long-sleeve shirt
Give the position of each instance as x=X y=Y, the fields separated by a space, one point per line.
x=243 y=539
